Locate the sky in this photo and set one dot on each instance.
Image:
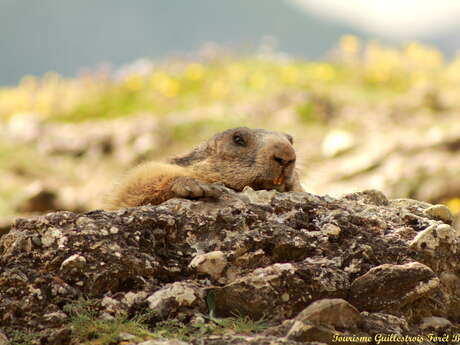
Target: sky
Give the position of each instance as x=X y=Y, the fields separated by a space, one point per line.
x=400 y=19
x=71 y=36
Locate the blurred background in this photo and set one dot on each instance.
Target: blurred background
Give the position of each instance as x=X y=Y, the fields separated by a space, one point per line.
x=369 y=89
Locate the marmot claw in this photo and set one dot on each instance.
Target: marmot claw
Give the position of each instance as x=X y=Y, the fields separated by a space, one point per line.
x=191 y=188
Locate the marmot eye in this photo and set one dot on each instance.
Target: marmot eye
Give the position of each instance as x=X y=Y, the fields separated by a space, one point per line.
x=238 y=140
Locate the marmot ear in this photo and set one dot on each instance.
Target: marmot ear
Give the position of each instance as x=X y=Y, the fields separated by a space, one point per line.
x=290 y=138
x=238 y=139
x=211 y=145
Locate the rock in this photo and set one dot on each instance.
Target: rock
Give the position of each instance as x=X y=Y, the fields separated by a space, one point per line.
x=335 y=313
x=24 y=127
x=390 y=287
x=126 y=336
x=380 y=323
x=433 y=236
x=305 y=332
x=337 y=142
x=60 y=336
x=253 y=253
x=132 y=298
x=392 y=330
x=331 y=230
x=50 y=236
x=174 y=297
x=263 y=197
x=73 y=262
x=3 y=339
x=55 y=318
x=370 y=196
x=106 y=316
x=321 y=320
x=440 y=212
x=249 y=340
x=412 y=205
x=292 y=286
x=13 y=242
x=111 y=305
x=435 y=323
x=212 y=263
x=39 y=199
x=163 y=342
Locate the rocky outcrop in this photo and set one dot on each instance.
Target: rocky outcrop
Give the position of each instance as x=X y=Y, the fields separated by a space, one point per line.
x=321 y=269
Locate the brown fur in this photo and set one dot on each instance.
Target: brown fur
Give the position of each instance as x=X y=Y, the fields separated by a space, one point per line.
x=237 y=158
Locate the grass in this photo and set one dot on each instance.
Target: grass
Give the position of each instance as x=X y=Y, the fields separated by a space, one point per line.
x=25 y=338
x=234 y=325
x=22 y=162
x=244 y=324
x=88 y=328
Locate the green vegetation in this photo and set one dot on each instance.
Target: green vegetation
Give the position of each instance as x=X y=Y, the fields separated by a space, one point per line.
x=88 y=328
x=22 y=162
x=358 y=71
x=24 y=338
x=236 y=324
x=244 y=324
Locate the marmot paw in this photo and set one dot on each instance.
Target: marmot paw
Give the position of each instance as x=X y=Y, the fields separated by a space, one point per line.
x=190 y=188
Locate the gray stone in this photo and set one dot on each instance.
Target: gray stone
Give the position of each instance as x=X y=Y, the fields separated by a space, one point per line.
x=174 y=297
x=212 y=263
x=433 y=236
x=331 y=230
x=391 y=287
x=334 y=313
x=126 y=336
x=440 y=212
x=305 y=332
x=164 y=342
x=435 y=323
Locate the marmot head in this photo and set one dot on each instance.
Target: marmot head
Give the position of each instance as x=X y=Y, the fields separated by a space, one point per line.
x=241 y=157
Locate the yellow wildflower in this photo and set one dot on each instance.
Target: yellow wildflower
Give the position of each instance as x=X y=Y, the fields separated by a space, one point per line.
x=164 y=84
x=194 y=72
x=454 y=205
x=218 y=89
x=236 y=72
x=134 y=82
x=323 y=72
x=290 y=74
x=257 y=81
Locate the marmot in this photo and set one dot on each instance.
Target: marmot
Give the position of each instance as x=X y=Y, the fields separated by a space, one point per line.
x=236 y=158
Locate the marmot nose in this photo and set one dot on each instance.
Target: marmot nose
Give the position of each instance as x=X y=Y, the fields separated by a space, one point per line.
x=284 y=155
x=283 y=162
